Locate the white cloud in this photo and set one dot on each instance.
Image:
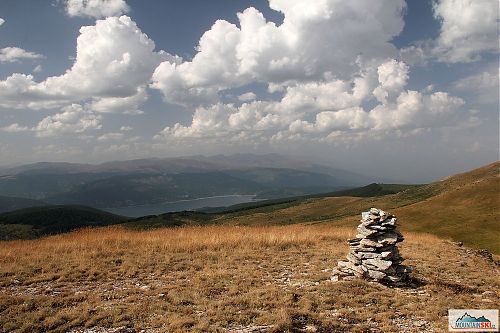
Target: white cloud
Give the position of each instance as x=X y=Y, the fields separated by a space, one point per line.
x=2 y=21
x=392 y=76
x=15 y=128
x=413 y=109
x=469 y=28
x=96 y=8
x=111 y=137
x=73 y=119
x=483 y=86
x=328 y=67
x=319 y=37
x=114 y=59
x=328 y=121
x=38 y=69
x=15 y=54
x=330 y=60
x=247 y=97
x=323 y=111
x=126 y=105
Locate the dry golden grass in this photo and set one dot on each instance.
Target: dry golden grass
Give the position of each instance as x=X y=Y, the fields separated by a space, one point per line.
x=465 y=207
x=199 y=279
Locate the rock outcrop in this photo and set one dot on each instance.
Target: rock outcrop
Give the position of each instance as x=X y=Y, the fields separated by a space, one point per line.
x=373 y=253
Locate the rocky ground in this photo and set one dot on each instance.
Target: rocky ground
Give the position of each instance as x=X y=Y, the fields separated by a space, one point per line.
x=275 y=280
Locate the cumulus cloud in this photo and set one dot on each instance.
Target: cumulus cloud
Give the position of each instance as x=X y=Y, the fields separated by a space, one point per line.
x=126 y=105
x=330 y=70
x=96 y=8
x=111 y=137
x=73 y=119
x=2 y=21
x=315 y=38
x=413 y=109
x=15 y=128
x=15 y=54
x=114 y=59
x=468 y=28
x=392 y=76
x=322 y=110
x=484 y=86
x=330 y=62
x=247 y=97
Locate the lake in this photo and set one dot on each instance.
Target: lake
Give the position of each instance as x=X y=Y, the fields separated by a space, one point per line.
x=176 y=206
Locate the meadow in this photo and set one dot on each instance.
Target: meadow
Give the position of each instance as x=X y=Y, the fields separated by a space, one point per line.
x=228 y=279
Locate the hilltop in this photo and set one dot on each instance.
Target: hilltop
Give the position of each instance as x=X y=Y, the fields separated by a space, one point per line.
x=42 y=221
x=13 y=203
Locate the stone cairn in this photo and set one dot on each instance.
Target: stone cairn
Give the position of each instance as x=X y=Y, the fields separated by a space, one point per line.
x=373 y=253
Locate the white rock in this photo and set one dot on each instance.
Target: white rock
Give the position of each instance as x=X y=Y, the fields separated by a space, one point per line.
x=369 y=243
x=378 y=263
x=377 y=275
x=362 y=230
x=388 y=238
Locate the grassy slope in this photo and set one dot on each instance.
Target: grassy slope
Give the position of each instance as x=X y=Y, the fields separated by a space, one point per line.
x=464 y=207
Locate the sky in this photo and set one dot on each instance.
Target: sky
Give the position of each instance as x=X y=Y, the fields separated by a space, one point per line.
x=406 y=90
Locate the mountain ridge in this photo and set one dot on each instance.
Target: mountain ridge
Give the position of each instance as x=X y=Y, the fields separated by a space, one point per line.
x=273 y=175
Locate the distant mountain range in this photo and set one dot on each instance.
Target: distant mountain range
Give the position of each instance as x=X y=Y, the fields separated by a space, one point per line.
x=149 y=181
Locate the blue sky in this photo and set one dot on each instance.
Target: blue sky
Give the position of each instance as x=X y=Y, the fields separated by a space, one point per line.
x=410 y=86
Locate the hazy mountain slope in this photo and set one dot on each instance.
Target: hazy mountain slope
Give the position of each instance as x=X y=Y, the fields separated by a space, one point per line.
x=277 y=161
x=13 y=203
x=190 y=164
x=122 y=183
x=133 y=189
x=40 y=186
x=47 y=168
x=136 y=189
